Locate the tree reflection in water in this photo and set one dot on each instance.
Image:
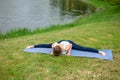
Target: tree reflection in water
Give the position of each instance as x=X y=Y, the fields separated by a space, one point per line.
x=72 y=7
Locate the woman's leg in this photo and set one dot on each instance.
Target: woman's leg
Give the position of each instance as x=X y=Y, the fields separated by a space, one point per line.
x=81 y=48
x=43 y=46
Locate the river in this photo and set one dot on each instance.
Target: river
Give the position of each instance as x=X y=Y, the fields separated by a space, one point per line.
x=32 y=14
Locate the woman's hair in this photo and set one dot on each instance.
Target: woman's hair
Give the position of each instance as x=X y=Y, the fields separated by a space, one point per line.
x=57 y=51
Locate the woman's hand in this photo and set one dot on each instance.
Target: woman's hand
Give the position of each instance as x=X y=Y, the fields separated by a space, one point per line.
x=67 y=54
x=51 y=53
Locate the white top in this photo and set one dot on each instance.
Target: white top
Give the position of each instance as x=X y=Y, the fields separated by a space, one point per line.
x=65 y=43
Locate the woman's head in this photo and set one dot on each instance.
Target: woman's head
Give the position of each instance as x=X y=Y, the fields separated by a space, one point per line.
x=56 y=51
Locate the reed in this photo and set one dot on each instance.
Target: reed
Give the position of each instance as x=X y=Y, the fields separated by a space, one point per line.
x=24 y=31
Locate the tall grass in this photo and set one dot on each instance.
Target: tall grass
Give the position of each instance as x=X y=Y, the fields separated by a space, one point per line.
x=24 y=31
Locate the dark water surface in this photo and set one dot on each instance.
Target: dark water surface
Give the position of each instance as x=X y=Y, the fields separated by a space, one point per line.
x=34 y=14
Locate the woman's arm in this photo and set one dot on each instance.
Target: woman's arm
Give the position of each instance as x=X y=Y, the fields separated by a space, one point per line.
x=68 y=48
x=53 y=45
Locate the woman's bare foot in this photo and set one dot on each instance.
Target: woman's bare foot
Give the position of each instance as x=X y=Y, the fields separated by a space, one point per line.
x=102 y=53
x=31 y=46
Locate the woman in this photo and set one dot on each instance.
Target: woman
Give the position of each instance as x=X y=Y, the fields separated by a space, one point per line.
x=65 y=46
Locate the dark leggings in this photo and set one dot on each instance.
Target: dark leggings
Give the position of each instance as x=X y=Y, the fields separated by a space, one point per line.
x=74 y=46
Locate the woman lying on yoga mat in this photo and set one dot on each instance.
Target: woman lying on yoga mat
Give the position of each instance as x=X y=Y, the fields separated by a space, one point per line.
x=64 y=47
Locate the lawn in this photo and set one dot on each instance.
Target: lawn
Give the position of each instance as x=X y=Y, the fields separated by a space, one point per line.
x=98 y=30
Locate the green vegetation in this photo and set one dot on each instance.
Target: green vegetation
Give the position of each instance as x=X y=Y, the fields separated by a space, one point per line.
x=114 y=2
x=25 y=31
x=99 y=30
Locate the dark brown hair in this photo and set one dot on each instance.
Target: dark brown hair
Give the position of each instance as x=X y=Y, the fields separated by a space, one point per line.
x=56 y=51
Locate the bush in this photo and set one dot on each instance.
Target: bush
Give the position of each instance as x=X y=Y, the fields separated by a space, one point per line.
x=114 y=2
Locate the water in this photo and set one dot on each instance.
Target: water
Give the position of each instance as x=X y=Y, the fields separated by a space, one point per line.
x=34 y=14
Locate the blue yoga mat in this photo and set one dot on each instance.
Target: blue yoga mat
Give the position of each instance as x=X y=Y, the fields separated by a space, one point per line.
x=74 y=53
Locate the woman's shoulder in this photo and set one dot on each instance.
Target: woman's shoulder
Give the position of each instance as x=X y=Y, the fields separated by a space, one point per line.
x=54 y=44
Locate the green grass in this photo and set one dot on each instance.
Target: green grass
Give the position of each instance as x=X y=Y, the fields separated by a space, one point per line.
x=99 y=30
x=24 y=31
